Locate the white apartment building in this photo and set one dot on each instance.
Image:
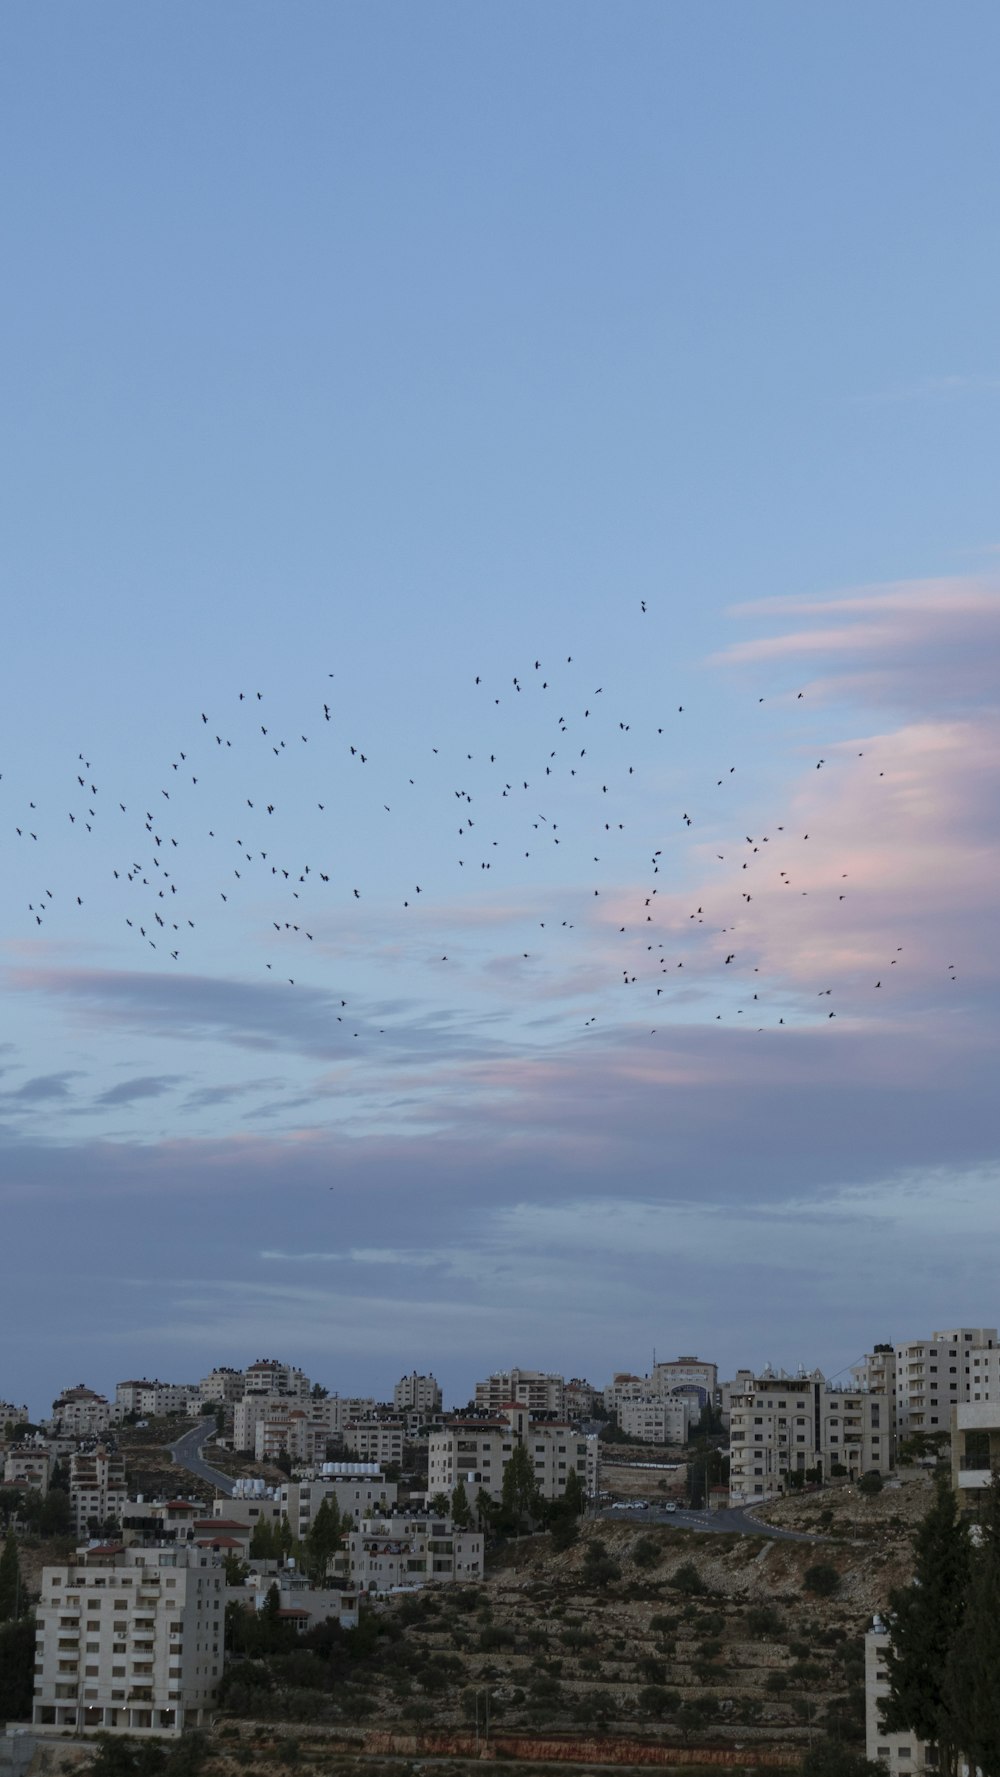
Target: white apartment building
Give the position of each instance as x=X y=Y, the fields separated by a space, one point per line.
x=153 y=1400
x=580 y=1398
x=535 y=1389
x=933 y=1375
x=79 y=1412
x=375 y=1440
x=269 y=1377
x=358 y=1489
x=299 y=1602
x=900 y=1754
x=13 y=1415
x=222 y=1386
x=293 y=1430
x=129 y=1641
x=417 y=1394
x=97 y=1489
x=728 y=1391
x=787 y=1423
x=476 y=1452
x=690 y=1376
x=28 y=1465
x=321 y=1416
x=416 y=1550
x=658 y=1419
x=975 y=1445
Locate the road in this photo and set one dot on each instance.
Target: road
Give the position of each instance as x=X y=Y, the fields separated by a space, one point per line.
x=728 y=1521
x=187 y=1454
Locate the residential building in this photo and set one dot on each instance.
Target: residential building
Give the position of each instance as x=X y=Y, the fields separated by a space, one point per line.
x=975 y=1447
x=358 y=1489
x=222 y=1386
x=375 y=1440
x=738 y=1385
x=580 y=1398
x=407 y=1550
x=417 y=1394
x=13 y=1415
x=933 y=1375
x=29 y=1466
x=657 y=1419
x=288 y=1429
x=300 y=1603
x=97 y=1489
x=129 y=1640
x=535 y=1389
x=899 y=1754
x=320 y=1416
x=153 y=1400
x=785 y=1424
x=79 y=1412
x=269 y=1377
x=476 y=1452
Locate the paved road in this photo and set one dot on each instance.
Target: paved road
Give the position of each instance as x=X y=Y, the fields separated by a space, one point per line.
x=187 y=1454
x=726 y=1521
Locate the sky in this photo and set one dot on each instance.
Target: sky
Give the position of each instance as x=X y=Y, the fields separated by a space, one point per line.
x=498 y=687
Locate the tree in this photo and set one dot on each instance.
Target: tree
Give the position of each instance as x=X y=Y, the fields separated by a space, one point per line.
x=870 y=1483
x=974 y=1661
x=461 y=1511
x=440 y=1505
x=322 y=1540
x=17 y=1668
x=924 y=1621
x=519 y=1494
x=264 y=1542
x=821 y=1579
x=831 y=1758
x=574 y=1499
x=12 y=1598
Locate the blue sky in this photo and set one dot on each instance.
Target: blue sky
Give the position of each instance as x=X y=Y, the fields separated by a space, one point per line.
x=351 y=356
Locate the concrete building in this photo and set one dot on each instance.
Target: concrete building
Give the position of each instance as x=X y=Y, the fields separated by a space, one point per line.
x=417 y=1550
x=299 y=1603
x=737 y=1386
x=580 y=1398
x=535 y=1389
x=129 y=1641
x=934 y=1375
x=784 y=1424
x=10 y=1414
x=80 y=1413
x=900 y=1754
x=269 y=1377
x=375 y=1440
x=476 y=1452
x=417 y=1394
x=222 y=1387
x=358 y=1489
x=29 y=1466
x=97 y=1490
x=975 y=1447
x=658 y=1419
x=153 y=1400
x=691 y=1376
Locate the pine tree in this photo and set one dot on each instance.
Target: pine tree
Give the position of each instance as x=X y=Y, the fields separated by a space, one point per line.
x=461 y=1511
x=519 y=1493
x=11 y=1590
x=974 y=1663
x=574 y=1499
x=322 y=1540
x=924 y=1620
x=263 y=1541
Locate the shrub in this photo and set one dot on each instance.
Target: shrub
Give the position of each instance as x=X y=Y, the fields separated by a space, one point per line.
x=871 y=1483
x=646 y=1552
x=655 y=1701
x=652 y=1671
x=821 y=1579
x=776 y=1681
x=764 y=1620
x=663 y=1625
x=495 y=1636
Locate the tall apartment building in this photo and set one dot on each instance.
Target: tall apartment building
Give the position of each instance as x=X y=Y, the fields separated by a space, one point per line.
x=268 y=1376
x=13 y=1415
x=784 y=1424
x=310 y=1424
x=79 y=1413
x=933 y=1375
x=534 y=1389
x=417 y=1394
x=129 y=1640
x=97 y=1488
x=580 y=1398
x=28 y=1465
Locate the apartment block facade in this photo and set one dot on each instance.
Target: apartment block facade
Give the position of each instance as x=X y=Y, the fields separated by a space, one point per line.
x=129 y=1640
x=537 y=1390
x=417 y=1394
x=97 y=1488
x=785 y=1424
x=416 y=1550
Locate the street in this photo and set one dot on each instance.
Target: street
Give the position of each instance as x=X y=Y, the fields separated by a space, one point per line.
x=187 y=1454
x=727 y=1521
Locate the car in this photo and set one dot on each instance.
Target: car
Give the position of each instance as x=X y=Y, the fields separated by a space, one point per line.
x=669 y=1506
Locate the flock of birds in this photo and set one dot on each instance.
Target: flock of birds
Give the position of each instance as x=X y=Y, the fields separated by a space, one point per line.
x=577 y=797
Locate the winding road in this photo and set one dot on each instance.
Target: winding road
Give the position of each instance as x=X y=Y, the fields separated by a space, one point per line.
x=187 y=1454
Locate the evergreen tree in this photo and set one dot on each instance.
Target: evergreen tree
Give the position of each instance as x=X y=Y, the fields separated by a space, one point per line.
x=322 y=1541
x=17 y=1669
x=263 y=1541
x=461 y=1511
x=574 y=1500
x=12 y=1600
x=285 y=1540
x=924 y=1620
x=974 y=1663
x=519 y=1494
